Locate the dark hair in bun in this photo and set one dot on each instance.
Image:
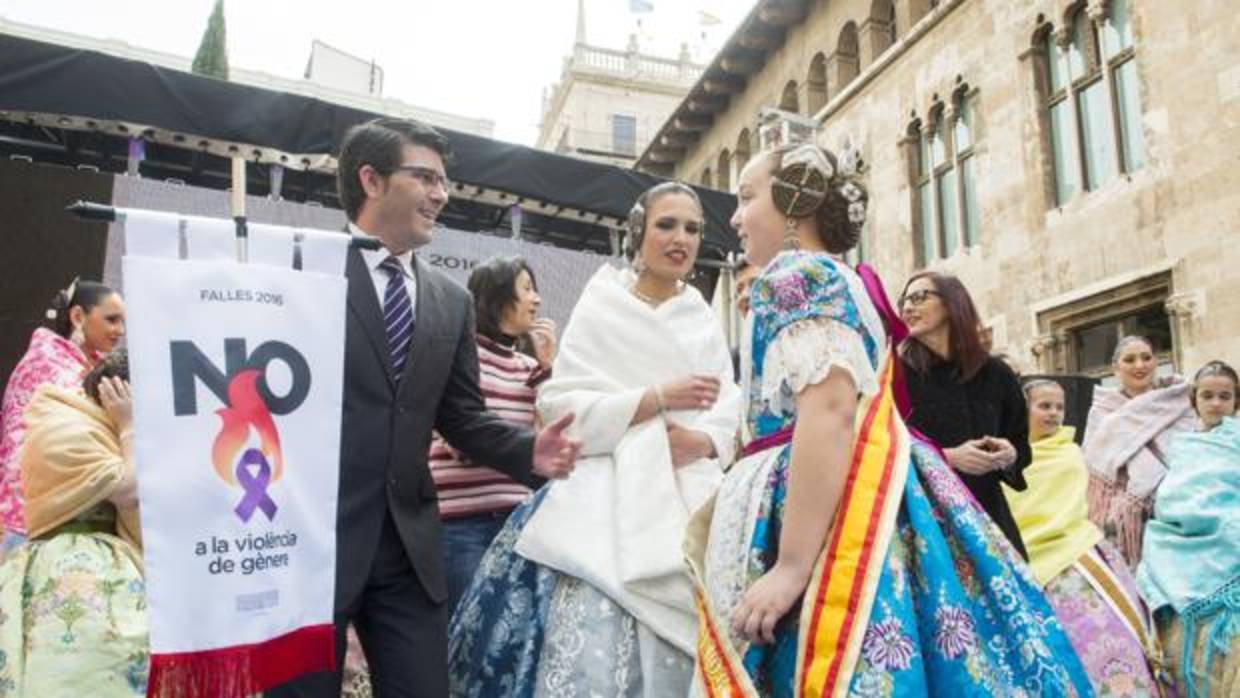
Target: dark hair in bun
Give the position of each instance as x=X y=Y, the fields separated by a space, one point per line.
x=87 y=294
x=807 y=180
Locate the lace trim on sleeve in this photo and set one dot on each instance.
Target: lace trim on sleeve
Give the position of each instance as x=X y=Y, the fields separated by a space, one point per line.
x=806 y=351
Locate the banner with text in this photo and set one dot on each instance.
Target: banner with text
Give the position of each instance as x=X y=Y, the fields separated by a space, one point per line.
x=237 y=372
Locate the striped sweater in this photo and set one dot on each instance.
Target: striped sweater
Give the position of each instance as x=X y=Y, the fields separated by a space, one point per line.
x=509 y=382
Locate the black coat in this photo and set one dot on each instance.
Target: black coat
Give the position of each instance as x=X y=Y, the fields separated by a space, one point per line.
x=990 y=404
x=386 y=430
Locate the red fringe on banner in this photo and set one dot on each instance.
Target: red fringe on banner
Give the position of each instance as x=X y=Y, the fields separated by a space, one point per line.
x=243 y=670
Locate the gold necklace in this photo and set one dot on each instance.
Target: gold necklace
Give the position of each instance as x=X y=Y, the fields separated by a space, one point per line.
x=644 y=298
x=651 y=301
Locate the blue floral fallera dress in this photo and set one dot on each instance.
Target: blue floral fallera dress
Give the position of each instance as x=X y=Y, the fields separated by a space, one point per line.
x=552 y=622
x=957 y=613
x=523 y=630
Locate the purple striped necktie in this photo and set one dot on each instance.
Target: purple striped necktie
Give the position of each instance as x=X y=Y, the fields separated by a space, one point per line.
x=397 y=315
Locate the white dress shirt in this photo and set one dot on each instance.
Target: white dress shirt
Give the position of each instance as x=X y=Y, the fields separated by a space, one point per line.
x=379 y=277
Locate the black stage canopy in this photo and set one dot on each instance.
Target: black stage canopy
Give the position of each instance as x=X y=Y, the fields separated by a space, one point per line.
x=136 y=98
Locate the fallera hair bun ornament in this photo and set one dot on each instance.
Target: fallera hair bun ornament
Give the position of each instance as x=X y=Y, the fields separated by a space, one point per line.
x=800 y=184
x=856 y=213
x=636 y=230
x=71 y=291
x=637 y=219
x=849 y=159
x=62 y=299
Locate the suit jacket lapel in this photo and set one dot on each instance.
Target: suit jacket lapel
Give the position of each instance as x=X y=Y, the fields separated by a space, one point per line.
x=364 y=304
x=426 y=318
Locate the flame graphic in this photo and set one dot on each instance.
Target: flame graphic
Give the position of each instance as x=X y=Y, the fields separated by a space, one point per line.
x=246 y=409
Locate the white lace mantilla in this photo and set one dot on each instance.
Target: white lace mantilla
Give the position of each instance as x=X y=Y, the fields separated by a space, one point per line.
x=805 y=352
x=593 y=647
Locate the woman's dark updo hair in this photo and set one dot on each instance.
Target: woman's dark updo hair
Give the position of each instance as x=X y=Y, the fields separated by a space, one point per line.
x=114 y=365
x=87 y=294
x=819 y=187
x=637 y=214
x=494 y=287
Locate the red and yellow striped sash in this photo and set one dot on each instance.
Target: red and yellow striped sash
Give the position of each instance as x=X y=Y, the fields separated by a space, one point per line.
x=841 y=591
x=719 y=671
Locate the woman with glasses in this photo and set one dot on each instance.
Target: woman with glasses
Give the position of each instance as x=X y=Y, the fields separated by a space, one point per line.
x=965 y=400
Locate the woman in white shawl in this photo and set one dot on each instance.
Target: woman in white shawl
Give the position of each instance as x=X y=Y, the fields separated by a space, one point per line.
x=585 y=590
x=1127 y=435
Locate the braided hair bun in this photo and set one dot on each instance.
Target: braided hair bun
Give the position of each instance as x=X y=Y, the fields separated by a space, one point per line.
x=808 y=181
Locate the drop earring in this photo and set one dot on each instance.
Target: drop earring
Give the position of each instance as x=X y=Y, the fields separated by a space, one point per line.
x=791 y=241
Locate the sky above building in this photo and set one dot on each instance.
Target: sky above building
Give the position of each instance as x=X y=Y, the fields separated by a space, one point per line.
x=488 y=59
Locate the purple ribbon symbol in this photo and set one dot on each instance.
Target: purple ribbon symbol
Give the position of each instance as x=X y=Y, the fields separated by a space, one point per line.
x=255 y=486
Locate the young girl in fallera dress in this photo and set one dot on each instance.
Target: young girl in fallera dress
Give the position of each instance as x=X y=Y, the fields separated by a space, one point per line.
x=1190 y=564
x=841 y=555
x=1084 y=577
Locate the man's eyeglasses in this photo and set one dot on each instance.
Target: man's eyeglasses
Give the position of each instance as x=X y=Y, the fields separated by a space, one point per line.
x=426 y=176
x=916 y=298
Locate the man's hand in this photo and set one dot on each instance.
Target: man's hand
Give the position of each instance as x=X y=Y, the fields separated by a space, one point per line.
x=555 y=455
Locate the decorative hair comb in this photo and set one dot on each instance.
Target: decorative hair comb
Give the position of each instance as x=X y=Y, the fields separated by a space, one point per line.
x=800 y=185
x=64 y=297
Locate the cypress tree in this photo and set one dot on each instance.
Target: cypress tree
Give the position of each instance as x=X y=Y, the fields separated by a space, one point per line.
x=212 y=56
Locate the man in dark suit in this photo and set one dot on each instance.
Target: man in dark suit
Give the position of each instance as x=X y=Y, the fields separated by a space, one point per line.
x=411 y=365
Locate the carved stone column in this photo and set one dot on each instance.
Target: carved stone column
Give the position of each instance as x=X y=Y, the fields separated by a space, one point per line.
x=1043 y=349
x=1051 y=350
x=1183 y=309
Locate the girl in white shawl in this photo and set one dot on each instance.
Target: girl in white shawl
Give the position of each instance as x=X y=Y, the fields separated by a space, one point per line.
x=585 y=590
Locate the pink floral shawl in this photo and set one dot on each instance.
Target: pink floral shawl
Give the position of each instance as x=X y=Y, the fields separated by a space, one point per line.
x=51 y=359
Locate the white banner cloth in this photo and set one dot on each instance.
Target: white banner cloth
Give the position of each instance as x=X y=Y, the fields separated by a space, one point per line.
x=237 y=371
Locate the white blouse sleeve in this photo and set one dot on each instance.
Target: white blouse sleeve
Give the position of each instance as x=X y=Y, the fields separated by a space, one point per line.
x=805 y=352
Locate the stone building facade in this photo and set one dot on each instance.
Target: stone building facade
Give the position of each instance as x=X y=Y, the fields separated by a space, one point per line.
x=1071 y=161
x=608 y=103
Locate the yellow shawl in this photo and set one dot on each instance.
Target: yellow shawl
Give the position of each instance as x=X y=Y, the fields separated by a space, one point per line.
x=1052 y=513
x=71 y=463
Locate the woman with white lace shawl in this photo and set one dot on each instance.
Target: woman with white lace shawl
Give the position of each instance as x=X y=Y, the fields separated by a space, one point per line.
x=586 y=588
